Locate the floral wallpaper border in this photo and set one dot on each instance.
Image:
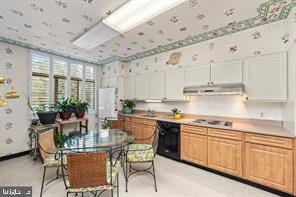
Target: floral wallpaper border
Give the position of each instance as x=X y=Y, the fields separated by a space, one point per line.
x=268 y=12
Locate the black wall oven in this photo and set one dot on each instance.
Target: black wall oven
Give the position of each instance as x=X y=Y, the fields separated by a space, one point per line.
x=169 y=139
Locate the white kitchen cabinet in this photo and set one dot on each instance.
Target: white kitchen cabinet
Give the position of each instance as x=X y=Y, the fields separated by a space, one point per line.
x=157 y=85
x=227 y=72
x=198 y=75
x=174 y=84
x=142 y=87
x=109 y=82
x=266 y=77
x=130 y=87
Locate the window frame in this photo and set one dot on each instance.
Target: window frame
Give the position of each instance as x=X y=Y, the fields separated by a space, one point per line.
x=68 y=77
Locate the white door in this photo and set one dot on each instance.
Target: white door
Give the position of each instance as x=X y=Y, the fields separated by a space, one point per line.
x=142 y=87
x=227 y=72
x=198 y=75
x=174 y=84
x=157 y=85
x=266 y=77
x=130 y=87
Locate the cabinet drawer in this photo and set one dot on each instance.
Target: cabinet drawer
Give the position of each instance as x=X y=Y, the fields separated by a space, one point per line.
x=270 y=140
x=149 y=122
x=194 y=129
x=127 y=118
x=233 y=135
x=137 y=120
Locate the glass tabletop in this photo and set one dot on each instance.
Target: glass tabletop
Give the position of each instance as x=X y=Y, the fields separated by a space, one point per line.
x=94 y=141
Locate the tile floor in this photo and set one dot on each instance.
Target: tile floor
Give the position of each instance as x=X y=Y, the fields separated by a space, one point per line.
x=174 y=179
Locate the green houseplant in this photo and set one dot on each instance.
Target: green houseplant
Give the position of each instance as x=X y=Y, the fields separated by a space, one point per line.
x=104 y=131
x=60 y=139
x=46 y=114
x=127 y=106
x=80 y=108
x=65 y=108
x=176 y=113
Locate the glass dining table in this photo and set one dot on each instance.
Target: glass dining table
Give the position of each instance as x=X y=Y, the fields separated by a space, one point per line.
x=93 y=141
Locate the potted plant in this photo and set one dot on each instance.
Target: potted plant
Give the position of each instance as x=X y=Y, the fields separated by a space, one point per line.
x=60 y=139
x=104 y=131
x=65 y=108
x=176 y=113
x=80 y=108
x=127 y=106
x=46 y=114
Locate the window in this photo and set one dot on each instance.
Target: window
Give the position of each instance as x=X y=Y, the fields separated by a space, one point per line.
x=54 y=78
x=40 y=80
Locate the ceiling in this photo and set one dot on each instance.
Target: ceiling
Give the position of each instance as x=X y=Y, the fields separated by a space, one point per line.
x=52 y=25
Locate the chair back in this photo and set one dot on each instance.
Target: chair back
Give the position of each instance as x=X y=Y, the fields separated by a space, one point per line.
x=46 y=144
x=87 y=169
x=155 y=139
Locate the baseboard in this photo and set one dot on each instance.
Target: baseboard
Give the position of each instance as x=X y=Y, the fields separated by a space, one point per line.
x=7 y=157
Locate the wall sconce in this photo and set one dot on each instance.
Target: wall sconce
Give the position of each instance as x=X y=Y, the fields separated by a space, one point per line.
x=12 y=94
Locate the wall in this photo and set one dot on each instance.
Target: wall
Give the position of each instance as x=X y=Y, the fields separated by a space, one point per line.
x=15 y=117
x=271 y=38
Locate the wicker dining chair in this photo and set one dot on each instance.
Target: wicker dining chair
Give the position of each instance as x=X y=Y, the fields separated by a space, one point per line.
x=93 y=172
x=142 y=153
x=49 y=154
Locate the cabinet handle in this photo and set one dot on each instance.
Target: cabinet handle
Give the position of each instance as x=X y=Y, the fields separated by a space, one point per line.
x=208 y=83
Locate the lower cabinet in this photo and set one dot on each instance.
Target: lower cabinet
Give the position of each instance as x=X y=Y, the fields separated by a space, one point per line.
x=194 y=148
x=147 y=132
x=136 y=129
x=269 y=166
x=225 y=155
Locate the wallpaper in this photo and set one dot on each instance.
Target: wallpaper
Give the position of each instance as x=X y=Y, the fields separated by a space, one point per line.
x=271 y=38
x=58 y=22
x=14 y=118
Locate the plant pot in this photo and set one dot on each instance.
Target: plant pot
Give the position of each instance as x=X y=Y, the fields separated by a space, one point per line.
x=65 y=115
x=47 y=117
x=80 y=114
x=104 y=132
x=127 y=110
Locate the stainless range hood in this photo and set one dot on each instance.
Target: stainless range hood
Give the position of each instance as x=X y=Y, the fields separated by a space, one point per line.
x=219 y=89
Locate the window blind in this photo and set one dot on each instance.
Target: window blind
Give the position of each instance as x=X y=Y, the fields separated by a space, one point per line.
x=60 y=79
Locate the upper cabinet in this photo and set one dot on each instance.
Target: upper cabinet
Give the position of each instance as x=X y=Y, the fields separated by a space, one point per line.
x=227 y=72
x=157 y=85
x=174 y=84
x=109 y=82
x=142 y=87
x=198 y=75
x=266 y=77
x=130 y=87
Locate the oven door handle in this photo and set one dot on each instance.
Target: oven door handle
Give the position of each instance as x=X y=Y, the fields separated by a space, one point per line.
x=162 y=132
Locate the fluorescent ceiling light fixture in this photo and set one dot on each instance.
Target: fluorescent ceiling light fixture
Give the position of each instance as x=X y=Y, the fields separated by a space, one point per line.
x=97 y=35
x=153 y=101
x=136 y=12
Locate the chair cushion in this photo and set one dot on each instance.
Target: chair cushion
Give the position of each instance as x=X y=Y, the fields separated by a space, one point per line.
x=115 y=170
x=139 y=154
x=50 y=161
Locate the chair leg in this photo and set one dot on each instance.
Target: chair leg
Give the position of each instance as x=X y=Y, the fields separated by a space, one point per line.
x=130 y=167
x=112 y=192
x=126 y=175
x=67 y=194
x=42 y=184
x=58 y=171
x=117 y=185
x=154 y=176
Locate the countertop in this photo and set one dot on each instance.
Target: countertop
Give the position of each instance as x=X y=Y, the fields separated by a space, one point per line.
x=266 y=127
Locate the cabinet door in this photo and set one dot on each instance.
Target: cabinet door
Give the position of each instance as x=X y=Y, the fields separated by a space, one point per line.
x=130 y=87
x=142 y=87
x=225 y=155
x=113 y=82
x=137 y=132
x=227 y=72
x=194 y=148
x=269 y=166
x=127 y=126
x=157 y=85
x=174 y=84
x=266 y=77
x=148 y=131
x=199 y=75
x=105 y=82
x=117 y=124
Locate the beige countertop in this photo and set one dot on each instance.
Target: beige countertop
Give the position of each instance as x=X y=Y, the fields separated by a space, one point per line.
x=266 y=127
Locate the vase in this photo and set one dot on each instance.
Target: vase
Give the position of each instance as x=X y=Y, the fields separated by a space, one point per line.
x=127 y=110
x=80 y=114
x=65 y=115
x=104 y=132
